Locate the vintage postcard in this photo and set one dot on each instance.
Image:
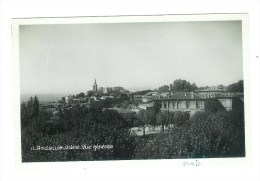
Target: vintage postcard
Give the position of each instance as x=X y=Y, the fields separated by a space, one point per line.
x=131 y=87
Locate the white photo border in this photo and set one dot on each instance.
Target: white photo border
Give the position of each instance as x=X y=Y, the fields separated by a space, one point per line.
x=135 y=19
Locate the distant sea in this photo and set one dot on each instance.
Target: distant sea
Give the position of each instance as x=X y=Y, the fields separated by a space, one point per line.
x=43 y=98
x=47 y=98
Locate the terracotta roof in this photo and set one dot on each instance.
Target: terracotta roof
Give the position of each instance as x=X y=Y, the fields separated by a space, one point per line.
x=222 y=95
x=212 y=89
x=185 y=95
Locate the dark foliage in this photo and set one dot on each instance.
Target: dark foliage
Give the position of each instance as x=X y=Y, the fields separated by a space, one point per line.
x=142 y=92
x=164 y=88
x=180 y=85
x=204 y=134
x=80 y=95
x=236 y=87
x=77 y=126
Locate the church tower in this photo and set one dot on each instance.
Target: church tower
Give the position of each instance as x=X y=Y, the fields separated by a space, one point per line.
x=95 y=86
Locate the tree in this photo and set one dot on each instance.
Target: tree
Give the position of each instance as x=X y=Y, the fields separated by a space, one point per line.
x=156 y=107
x=110 y=90
x=203 y=87
x=221 y=86
x=180 y=85
x=194 y=87
x=151 y=118
x=216 y=134
x=170 y=117
x=30 y=108
x=24 y=115
x=236 y=87
x=90 y=93
x=36 y=106
x=29 y=111
x=123 y=97
x=162 y=119
x=180 y=118
x=76 y=126
x=80 y=95
x=144 y=118
x=101 y=90
x=113 y=120
x=114 y=128
x=108 y=103
x=164 y=88
x=118 y=90
x=143 y=92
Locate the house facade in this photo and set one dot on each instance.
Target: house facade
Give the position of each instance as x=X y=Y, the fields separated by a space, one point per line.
x=147 y=106
x=227 y=99
x=150 y=96
x=230 y=100
x=210 y=92
x=138 y=97
x=183 y=101
x=193 y=102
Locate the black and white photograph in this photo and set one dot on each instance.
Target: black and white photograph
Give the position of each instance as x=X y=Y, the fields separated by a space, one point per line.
x=131 y=90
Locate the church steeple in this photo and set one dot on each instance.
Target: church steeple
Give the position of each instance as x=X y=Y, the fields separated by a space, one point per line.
x=95 y=86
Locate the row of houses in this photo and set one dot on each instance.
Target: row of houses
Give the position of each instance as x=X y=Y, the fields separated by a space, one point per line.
x=70 y=100
x=190 y=102
x=211 y=99
x=150 y=96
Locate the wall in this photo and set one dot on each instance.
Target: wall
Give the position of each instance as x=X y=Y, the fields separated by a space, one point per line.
x=227 y=103
x=182 y=105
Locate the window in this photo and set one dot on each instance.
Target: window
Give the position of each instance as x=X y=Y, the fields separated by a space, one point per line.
x=197 y=104
x=170 y=104
x=178 y=104
x=187 y=104
x=212 y=95
x=165 y=104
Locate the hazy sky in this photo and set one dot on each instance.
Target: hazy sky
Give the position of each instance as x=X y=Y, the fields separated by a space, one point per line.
x=67 y=58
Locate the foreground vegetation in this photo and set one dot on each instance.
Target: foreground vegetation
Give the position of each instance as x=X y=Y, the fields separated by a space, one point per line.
x=204 y=134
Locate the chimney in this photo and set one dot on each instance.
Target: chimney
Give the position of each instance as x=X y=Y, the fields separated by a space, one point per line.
x=192 y=95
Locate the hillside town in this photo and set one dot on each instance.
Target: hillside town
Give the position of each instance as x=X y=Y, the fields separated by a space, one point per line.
x=129 y=104
x=179 y=120
x=191 y=102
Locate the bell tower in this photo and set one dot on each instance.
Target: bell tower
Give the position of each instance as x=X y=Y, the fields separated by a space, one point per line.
x=95 y=86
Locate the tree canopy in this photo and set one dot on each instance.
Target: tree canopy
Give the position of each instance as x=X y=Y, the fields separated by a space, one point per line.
x=236 y=87
x=204 y=134
x=180 y=85
x=80 y=95
x=164 y=88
